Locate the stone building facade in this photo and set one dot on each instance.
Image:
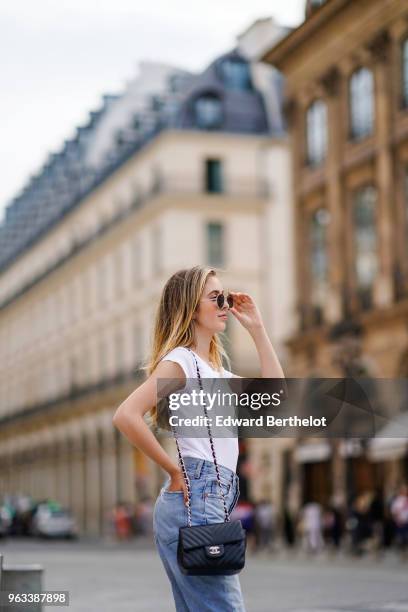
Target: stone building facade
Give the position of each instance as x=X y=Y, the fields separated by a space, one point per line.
x=346 y=91
x=153 y=183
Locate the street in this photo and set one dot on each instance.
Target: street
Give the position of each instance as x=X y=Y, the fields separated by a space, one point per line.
x=104 y=576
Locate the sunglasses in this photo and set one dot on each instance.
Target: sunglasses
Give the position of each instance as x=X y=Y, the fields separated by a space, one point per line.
x=221 y=300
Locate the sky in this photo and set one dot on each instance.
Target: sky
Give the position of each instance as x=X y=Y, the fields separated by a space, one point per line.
x=61 y=57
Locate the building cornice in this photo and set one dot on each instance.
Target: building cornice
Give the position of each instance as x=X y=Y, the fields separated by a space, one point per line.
x=290 y=44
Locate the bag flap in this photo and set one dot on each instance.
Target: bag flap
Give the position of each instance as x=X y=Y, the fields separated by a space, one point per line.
x=213 y=534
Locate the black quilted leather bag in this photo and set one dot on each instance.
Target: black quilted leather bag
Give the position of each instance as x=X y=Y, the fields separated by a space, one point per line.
x=214 y=549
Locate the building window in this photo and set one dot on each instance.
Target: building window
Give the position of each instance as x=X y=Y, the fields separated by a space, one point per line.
x=156 y=250
x=102 y=282
x=136 y=261
x=119 y=355
x=405 y=73
x=361 y=103
x=118 y=267
x=365 y=241
x=138 y=344
x=157 y=181
x=316 y=132
x=136 y=200
x=215 y=244
x=213 y=176
x=318 y=260
x=235 y=74
x=103 y=361
x=208 y=112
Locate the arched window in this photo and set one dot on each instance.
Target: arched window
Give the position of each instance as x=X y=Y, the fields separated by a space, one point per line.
x=208 y=112
x=405 y=72
x=316 y=132
x=361 y=92
x=318 y=260
x=365 y=240
x=235 y=74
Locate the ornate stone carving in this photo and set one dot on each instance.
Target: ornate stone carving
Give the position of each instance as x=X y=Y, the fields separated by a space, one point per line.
x=379 y=46
x=330 y=81
x=289 y=110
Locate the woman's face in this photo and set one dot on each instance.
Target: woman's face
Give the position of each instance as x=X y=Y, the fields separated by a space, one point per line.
x=208 y=316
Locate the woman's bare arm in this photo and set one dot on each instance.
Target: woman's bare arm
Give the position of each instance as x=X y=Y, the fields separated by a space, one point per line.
x=128 y=417
x=270 y=365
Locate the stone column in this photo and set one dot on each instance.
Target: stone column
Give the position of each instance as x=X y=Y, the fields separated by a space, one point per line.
x=92 y=468
x=338 y=473
x=331 y=83
x=77 y=477
x=10 y=467
x=31 y=455
x=295 y=115
x=383 y=288
x=17 y=468
x=3 y=473
x=108 y=467
x=126 y=469
x=62 y=469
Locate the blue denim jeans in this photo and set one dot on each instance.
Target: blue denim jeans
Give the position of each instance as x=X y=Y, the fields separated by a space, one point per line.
x=197 y=593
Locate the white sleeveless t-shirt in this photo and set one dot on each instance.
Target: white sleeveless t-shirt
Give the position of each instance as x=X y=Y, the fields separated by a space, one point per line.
x=226 y=449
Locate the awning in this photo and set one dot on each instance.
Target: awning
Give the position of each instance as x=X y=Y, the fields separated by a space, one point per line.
x=389 y=444
x=311 y=452
x=350 y=448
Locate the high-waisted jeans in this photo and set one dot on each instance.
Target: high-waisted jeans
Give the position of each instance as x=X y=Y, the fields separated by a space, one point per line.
x=197 y=593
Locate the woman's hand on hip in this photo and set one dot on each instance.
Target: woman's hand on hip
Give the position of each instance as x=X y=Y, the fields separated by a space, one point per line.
x=246 y=311
x=177 y=483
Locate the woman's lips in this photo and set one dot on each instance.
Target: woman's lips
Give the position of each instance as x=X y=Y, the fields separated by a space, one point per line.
x=223 y=316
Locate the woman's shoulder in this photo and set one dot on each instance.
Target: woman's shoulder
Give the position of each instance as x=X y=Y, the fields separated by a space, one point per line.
x=181 y=355
x=179 y=351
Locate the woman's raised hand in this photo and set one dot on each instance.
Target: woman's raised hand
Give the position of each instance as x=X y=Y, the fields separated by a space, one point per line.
x=246 y=311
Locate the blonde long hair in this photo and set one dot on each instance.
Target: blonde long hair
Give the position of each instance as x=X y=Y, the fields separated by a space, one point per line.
x=174 y=325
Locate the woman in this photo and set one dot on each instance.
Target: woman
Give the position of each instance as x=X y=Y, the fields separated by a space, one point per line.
x=186 y=335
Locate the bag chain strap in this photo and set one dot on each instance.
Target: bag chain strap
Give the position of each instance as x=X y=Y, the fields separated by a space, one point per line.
x=181 y=461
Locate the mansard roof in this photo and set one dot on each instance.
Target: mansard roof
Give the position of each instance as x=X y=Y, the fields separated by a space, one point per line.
x=67 y=176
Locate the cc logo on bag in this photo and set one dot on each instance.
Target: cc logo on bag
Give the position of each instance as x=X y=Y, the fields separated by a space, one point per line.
x=216 y=550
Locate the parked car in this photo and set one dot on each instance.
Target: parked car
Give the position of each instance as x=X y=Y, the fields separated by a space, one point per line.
x=53 y=521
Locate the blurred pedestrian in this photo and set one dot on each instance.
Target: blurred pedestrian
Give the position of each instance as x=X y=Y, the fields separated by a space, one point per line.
x=312 y=527
x=288 y=528
x=399 y=511
x=332 y=526
x=360 y=523
x=377 y=517
x=264 y=524
x=123 y=522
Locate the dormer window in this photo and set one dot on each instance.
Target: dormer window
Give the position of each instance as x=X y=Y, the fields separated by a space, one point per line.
x=235 y=74
x=208 y=112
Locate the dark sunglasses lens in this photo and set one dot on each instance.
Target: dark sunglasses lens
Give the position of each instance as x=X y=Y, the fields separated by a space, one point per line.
x=230 y=301
x=220 y=300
